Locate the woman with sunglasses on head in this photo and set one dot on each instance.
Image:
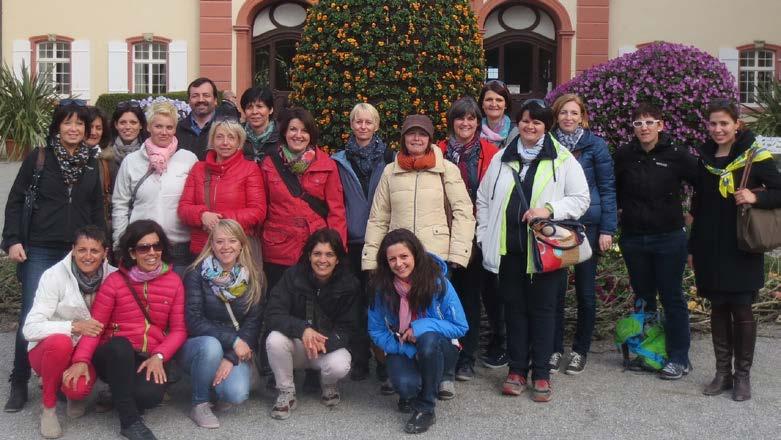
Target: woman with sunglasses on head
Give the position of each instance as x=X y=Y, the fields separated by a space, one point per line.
x=571 y=130
x=728 y=276
x=141 y=310
x=69 y=196
x=496 y=103
x=650 y=171
x=150 y=183
x=533 y=177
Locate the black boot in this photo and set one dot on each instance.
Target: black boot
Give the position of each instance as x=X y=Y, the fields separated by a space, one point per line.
x=745 y=338
x=721 y=333
x=17 y=397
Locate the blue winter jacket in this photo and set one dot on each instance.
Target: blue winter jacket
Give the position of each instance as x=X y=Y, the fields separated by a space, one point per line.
x=593 y=155
x=356 y=204
x=444 y=316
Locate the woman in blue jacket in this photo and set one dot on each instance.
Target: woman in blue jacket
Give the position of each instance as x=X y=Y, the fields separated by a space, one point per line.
x=571 y=130
x=415 y=319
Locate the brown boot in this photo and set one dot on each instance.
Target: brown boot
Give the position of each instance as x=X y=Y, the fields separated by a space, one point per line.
x=721 y=333
x=745 y=338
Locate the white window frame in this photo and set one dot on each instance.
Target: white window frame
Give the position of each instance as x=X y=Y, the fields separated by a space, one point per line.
x=47 y=66
x=749 y=72
x=151 y=64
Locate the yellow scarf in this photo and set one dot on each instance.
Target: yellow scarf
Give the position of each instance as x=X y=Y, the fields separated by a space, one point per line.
x=756 y=153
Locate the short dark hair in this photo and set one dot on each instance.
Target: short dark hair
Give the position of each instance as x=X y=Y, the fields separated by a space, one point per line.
x=201 y=81
x=128 y=107
x=726 y=105
x=96 y=113
x=499 y=88
x=328 y=236
x=63 y=112
x=255 y=94
x=91 y=232
x=646 y=108
x=537 y=111
x=466 y=106
x=304 y=116
x=135 y=232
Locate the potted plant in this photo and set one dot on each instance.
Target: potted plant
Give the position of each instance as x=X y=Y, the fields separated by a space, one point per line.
x=765 y=117
x=26 y=105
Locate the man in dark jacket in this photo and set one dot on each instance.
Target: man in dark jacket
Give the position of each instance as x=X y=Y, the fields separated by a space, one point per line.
x=227 y=108
x=192 y=132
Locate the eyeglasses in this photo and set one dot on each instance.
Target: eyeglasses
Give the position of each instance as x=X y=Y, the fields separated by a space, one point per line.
x=146 y=248
x=498 y=82
x=72 y=101
x=648 y=123
x=127 y=105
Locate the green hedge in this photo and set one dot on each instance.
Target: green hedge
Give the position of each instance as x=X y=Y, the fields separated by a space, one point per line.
x=108 y=102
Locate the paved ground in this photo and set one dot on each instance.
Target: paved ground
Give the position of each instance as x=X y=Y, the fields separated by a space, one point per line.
x=602 y=403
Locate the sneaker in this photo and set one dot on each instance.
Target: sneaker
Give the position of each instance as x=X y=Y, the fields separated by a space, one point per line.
x=359 y=372
x=465 y=372
x=76 y=408
x=137 y=431
x=447 y=390
x=577 y=363
x=17 y=397
x=638 y=365
x=222 y=406
x=674 y=371
x=203 y=416
x=420 y=422
x=286 y=402
x=494 y=360
x=554 y=363
x=312 y=382
x=541 y=392
x=50 y=425
x=405 y=406
x=330 y=395
x=386 y=389
x=514 y=385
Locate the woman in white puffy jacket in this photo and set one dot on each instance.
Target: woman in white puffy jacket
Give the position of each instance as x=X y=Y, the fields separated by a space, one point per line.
x=552 y=185
x=60 y=315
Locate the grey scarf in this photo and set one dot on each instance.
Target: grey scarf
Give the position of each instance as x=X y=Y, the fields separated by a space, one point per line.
x=88 y=285
x=121 y=149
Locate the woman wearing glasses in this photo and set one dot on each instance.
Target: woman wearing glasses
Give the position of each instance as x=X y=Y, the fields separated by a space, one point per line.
x=571 y=130
x=649 y=172
x=141 y=310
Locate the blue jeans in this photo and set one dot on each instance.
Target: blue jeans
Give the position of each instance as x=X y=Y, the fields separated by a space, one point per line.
x=200 y=357
x=655 y=263
x=418 y=379
x=585 y=275
x=38 y=260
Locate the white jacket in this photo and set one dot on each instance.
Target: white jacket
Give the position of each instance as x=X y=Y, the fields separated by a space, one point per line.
x=58 y=301
x=563 y=187
x=158 y=196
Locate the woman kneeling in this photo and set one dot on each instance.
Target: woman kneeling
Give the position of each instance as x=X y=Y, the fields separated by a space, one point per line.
x=223 y=314
x=312 y=315
x=415 y=319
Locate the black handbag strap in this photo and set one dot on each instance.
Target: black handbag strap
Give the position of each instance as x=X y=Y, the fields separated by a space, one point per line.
x=138 y=300
x=294 y=187
x=519 y=189
x=135 y=191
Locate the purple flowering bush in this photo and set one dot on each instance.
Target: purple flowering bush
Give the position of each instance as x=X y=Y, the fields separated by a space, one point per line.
x=679 y=79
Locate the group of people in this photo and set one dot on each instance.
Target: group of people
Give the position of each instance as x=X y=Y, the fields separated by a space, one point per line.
x=238 y=243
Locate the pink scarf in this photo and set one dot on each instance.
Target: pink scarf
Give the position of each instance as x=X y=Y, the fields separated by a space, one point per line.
x=405 y=314
x=158 y=156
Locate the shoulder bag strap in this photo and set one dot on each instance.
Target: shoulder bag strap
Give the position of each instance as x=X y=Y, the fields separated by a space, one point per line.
x=294 y=187
x=233 y=317
x=135 y=191
x=448 y=208
x=138 y=300
x=747 y=169
x=519 y=189
x=206 y=188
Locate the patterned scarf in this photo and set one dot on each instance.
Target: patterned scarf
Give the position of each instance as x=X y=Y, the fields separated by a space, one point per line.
x=257 y=140
x=726 y=178
x=528 y=155
x=497 y=134
x=365 y=158
x=466 y=156
x=226 y=285
x=139 y=276
x=121 y=149
x=159 y=156
x=72 y=166
x=569 y=140
x=405 y=314
x=412 y=163
x=88 y=285
x=298 y=163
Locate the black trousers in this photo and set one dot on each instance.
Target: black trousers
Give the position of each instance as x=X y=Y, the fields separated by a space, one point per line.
x=360 y=343
x=116 y=363
x=470 y=282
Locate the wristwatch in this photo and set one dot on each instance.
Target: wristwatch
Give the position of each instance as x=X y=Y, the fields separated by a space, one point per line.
x=160 y=356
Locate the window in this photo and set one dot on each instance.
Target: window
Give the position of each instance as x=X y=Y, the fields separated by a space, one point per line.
x=54 y=61
x=276 y=31
x=757 y=68
x=150 y=67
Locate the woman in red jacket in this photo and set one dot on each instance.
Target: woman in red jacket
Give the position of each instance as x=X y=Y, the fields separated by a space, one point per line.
x=225 y=185
x=304 y=194
x=141 y=308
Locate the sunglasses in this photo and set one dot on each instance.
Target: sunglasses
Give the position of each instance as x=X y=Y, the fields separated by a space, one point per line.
x=148 y=247
x=648 y=123
x=72 y=101
x=537 y=101
x=126 y=105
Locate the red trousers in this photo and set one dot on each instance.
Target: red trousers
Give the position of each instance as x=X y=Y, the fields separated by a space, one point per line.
x=50 y=358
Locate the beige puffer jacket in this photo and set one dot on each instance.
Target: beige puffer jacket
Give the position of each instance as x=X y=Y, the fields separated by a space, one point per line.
x=414 y=200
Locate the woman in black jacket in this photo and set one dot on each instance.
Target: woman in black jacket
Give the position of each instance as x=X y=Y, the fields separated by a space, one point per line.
x=223 y=314
x=69 y=196
x=312 y=314
x=729 y=277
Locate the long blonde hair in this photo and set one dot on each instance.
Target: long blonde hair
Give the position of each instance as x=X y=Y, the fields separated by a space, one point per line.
x=256 y=281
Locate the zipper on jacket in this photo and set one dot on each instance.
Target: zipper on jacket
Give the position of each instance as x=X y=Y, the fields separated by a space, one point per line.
x=147 y=324
x=415 y=205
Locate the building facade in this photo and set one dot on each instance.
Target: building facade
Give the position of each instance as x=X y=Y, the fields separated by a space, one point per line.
x=151 y=46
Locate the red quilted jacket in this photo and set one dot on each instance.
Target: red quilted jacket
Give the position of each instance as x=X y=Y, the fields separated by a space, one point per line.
x=236 y=190
x=115 y=308
x=290 y=220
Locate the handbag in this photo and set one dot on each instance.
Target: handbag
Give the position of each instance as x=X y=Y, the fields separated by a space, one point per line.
x=31 y=197
x=759 y=230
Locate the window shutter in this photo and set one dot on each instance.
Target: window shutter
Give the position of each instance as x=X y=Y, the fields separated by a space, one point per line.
x=177 y=63
x=80 y=69
x=22 y=53
x=117 y=67
x=730 y=56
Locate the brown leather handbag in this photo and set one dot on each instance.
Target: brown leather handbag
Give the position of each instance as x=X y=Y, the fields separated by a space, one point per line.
x=759 y=230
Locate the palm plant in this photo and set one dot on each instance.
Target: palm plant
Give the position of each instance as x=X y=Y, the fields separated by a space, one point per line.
x=767 y=113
